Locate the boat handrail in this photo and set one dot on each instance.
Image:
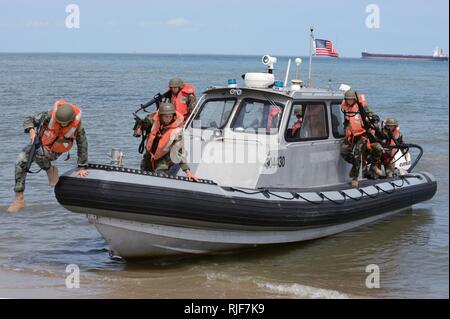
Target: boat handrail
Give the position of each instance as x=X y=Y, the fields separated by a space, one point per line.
x=112 y=168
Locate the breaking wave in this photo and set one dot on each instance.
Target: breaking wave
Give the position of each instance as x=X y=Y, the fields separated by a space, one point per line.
x=282 y=289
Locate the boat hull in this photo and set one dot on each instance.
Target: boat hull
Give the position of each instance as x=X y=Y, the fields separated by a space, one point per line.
x=134 y=240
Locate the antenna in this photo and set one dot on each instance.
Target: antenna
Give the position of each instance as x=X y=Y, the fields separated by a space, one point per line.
x=296 y=83
x=287 y=73
x=310 y=54
x=298 y=62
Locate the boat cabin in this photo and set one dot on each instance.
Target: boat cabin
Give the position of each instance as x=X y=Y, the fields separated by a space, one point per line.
x=251 y=137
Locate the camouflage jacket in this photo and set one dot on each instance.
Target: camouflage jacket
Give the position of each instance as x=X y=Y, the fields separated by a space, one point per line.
x=82 y=144
x=192 y=102
x=175 y=155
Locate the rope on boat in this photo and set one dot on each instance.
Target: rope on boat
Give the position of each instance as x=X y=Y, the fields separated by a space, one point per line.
x=398 y=186
x=312 y=202
x=385 y=191
x=351 y=197
x=332 y=200
x=370 y=196
x=282 y=197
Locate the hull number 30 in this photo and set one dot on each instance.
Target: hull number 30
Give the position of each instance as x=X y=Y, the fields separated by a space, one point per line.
x=274 y=161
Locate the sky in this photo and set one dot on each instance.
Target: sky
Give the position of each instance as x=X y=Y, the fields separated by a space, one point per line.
x=248 y=27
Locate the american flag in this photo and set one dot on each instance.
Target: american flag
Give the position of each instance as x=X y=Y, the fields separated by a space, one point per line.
x=325 y=48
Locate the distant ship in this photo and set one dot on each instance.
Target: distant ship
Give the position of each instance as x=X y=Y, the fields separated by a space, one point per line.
x=438 y=55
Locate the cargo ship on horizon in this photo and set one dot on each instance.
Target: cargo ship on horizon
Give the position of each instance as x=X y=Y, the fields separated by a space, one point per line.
x=438 y=55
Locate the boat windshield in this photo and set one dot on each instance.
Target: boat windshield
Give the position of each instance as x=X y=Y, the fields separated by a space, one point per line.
x=310 y=122
x=214 y=113
x=258 y=116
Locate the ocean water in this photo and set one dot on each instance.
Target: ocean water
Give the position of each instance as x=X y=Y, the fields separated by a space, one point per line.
x=36 y=245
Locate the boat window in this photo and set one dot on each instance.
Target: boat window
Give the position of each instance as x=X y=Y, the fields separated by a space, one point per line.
x=258 y=116
x=308 y=121
x=214 y=113
x=337 y=120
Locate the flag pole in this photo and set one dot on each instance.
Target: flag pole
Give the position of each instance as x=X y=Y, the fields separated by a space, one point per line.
x=310 y=54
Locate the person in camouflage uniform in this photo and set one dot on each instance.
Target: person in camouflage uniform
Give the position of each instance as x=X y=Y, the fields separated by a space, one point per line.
x=390 y=132
x=164 y=145
x=357 y=149
x=182 y=96
x=372 y=160
x=44 y=156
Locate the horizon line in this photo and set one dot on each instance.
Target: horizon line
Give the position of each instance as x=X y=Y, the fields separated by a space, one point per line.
x=165 y=53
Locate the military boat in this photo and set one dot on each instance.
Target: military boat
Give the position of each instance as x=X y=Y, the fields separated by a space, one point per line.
x=263 y=181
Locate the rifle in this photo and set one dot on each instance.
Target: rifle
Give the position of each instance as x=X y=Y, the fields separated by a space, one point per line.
x=37 y=143
x=397 y=144
x=391 y=136
x=138 y=122
x=367 y=122
x=156 y=99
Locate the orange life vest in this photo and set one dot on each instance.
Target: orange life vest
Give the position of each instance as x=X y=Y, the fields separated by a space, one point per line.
x=297 y=125
x=273 y=113
x=180 y=101
x=362 y=99
x=355 y=126
x=56 y=138
x=166 y=139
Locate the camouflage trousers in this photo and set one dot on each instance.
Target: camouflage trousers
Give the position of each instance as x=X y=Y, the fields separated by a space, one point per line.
x=43 y=159
x=359 y=151
x=163 y=165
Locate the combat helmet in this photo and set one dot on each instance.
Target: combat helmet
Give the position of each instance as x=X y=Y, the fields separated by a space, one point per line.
x=65 y=114
x=176 y=83
x=391 y=121
x=166 y=109
x=350 y=94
